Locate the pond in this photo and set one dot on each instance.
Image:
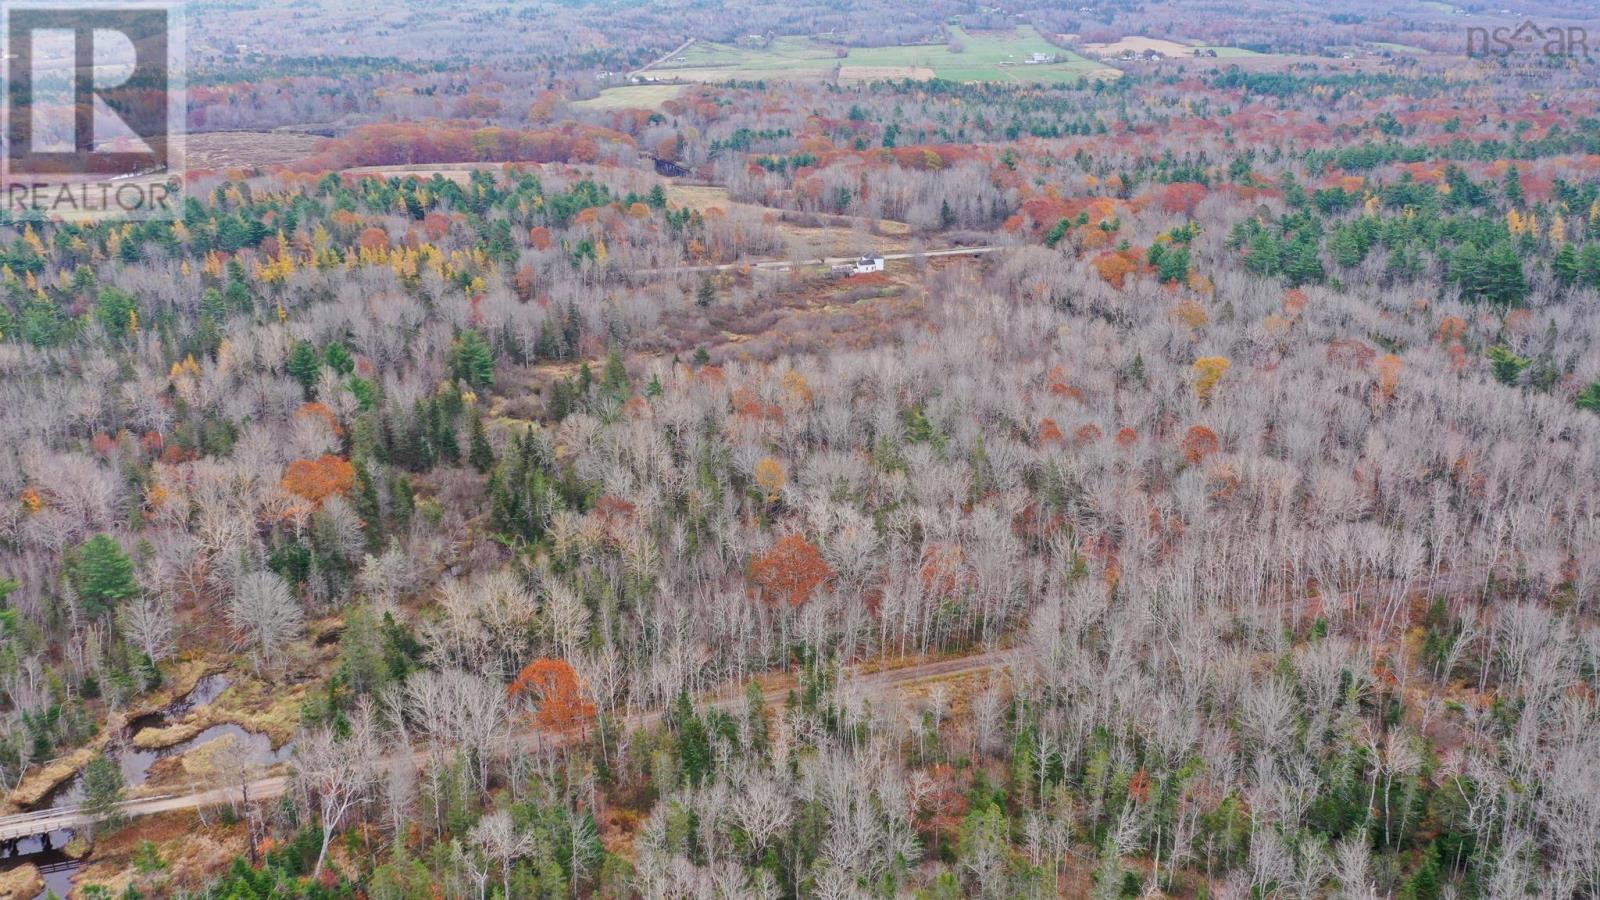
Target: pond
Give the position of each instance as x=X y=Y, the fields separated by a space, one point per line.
x=252 y=747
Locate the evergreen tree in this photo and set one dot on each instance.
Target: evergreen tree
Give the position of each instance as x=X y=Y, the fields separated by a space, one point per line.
x=614 y=379
x=339 y=359
x=1057 y=232
x=402 y=502
x=694 y=743
x=102 y=574
x=1265 y=255
x=1589 y=398
x=1513 y=185
x=1173 y=265
x=1304 y=264
x=103 y=787
x=706 y=295
x=472 y=360
x=1565 y=264
x=1506 y=365
x=1503 y=279
x=1589 y=265
x=305 y=365
x=479 y=453
x=365 y=498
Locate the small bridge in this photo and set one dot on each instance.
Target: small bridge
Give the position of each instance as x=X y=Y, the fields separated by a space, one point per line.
x=41 y=824
x=666 y=168
x=44 y=822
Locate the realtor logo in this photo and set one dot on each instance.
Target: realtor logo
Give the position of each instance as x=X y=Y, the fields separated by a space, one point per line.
x=93 y=109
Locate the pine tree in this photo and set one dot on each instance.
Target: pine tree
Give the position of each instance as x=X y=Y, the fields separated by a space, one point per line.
x=103 y=790
x=339 y=359
x=1513 y=185
x=479 y=453
x=1588 y=398
x=1589 y=265
x=706 y=295
x=1505 y=282
x=102 y=574
x=305 y=365
x=614 y=378
x=472 y=360
x=1057 y=232
x=1304 y=265
x=402 y=503
x=694 y=744
x=365 y=495
x=1506 y=365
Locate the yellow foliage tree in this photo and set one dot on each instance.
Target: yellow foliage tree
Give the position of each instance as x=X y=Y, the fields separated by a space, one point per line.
x=770 y=478
x=1208 y=370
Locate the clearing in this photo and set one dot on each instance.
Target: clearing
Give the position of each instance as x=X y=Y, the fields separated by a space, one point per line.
x=983 y=56
x=1139 y=44
x=633 y=96
x=217 y=150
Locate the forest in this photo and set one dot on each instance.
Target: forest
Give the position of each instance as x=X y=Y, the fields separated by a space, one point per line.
x=480 y=486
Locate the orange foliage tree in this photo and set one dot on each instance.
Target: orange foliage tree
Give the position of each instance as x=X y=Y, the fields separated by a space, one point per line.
x=790 y=571
x=318 y=479
x=1389 y=367
x=554 y=686
x=374 y=239
x=1115 y=266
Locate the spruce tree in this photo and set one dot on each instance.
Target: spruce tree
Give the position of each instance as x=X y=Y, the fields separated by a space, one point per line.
x=472 y=360
x=305 y=365
x=479 y=453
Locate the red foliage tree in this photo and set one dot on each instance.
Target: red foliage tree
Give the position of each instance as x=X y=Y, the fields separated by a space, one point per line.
x=1199 y=442
x=1182 y=197
x=790 y=571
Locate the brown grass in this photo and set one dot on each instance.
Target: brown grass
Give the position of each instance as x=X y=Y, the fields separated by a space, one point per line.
x=193 y=852
x=1138 y=44
x=218 y=150
x=853 y=74
x=23 y=881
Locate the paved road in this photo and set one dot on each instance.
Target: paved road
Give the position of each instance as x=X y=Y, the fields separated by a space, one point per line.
x=63 y=818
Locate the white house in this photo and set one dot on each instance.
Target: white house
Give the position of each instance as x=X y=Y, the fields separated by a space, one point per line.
x=869 y=264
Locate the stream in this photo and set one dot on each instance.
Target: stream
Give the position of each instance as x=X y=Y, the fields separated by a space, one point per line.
x=46 y=851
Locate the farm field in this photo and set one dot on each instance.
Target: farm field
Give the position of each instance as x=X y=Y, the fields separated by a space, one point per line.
x=216 y=150
x=1138 y=44
x=633 y=96
x=985 y=56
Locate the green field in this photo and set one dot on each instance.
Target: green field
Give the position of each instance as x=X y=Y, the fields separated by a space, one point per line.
x=1229 y=52
x=1398 y=48
x=985 y=56
x=633 y=96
